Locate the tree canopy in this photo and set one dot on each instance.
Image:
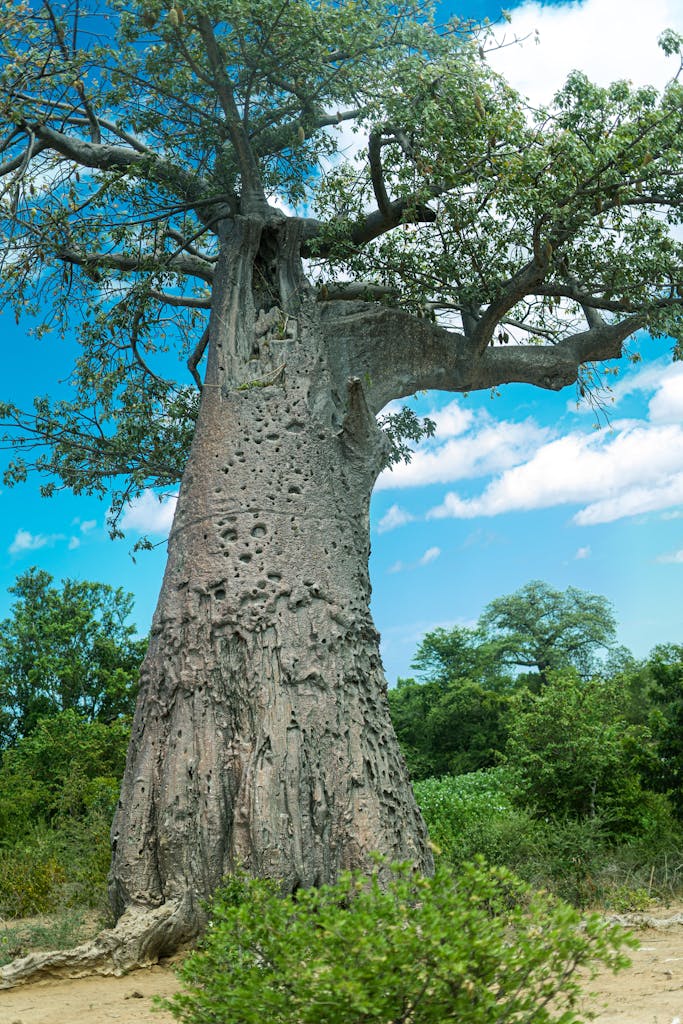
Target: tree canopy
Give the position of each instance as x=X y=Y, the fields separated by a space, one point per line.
x=540 y=628
x=457 y=717
x=66 y=648
x=138 y=136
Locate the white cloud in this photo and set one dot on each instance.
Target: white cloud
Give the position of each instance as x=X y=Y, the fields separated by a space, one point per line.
x=583 y=553
x=395 y=516
x=489 y=448
x=636 y=468
x=88 y=525
x=148 y=514
x=24 y=540
x=430 y=555
x=666 y=406
x=633 y=502
x=607 y=39
x=74 y=542
x=452 y=420
x=675 y=556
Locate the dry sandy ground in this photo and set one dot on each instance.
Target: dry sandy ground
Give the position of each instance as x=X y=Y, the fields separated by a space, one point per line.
x=649 y=992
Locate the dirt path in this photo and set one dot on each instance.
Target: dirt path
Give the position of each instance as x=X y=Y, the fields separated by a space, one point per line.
x=649 y=992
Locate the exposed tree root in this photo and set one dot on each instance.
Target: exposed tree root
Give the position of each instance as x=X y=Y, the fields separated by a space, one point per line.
x=641 y=920
x=141 y=937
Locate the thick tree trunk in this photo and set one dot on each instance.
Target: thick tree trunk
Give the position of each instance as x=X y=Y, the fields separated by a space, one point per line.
x=262 y=736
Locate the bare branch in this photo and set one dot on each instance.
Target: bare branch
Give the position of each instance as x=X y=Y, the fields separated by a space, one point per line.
x=186 y=301
x=196 y=357
x=184 y=264
x=399 y=354
x=377 y=174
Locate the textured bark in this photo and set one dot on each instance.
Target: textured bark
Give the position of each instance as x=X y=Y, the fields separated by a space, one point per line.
x=262 y=736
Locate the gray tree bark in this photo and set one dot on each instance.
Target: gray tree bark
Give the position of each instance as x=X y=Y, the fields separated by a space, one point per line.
x=262 y=736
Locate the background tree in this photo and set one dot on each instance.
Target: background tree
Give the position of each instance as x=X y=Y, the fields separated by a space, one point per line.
x=542 y=629
x=68 y=647
x=457 y=718
x=453 y=719
x=574 y=752
x=146 y=163
x=660 y=681
x=451 y=728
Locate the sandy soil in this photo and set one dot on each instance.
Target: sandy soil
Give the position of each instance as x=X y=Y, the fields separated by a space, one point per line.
x=649 y=992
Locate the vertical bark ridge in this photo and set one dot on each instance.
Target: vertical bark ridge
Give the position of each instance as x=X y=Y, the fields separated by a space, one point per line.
x=262 y=735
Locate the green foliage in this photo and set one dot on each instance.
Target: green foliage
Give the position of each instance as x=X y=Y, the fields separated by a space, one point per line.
x=464 y=813
x=458 y=718
x=448 y=728
x=30 y=882
x=392 y=947
x=573 y=751
x=541 y=629
x=65 y=768
x=662 y=679
x=58 y=791
x=579 y=860
x=67 y=647
x=458 y=653
x=402 y=429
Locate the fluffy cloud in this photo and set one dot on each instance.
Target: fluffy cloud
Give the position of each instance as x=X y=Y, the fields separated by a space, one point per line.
x=607 y=39
x=430 y=555
x=24 y=540
x=675 y=557
x=465 y=446
x=636 y=469
x=149 y=514
x=583 y=553
x=666 y=406
x=395 y=516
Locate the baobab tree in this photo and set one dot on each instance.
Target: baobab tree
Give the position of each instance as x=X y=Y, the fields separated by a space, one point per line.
x=323 y=207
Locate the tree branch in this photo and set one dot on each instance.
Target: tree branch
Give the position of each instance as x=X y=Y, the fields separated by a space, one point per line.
x=377 y=174
x=196 y=357
x=400 y=211
x=108 y=157
x=184 y=264
x=251 y=178
x=398 y=354
x=186 y=301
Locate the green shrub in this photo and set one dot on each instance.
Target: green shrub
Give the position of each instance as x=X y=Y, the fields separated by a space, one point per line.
x=30 y=880
x=474 y=814
x=474 y=948
x=579 y=860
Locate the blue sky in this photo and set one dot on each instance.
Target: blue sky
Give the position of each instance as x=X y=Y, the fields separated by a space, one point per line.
x=514 y=487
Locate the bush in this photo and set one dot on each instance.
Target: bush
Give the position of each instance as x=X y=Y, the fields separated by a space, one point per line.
x=58 y=792
x=574 y=753
x=474 y=948
x=30 y=880
x=473 y=814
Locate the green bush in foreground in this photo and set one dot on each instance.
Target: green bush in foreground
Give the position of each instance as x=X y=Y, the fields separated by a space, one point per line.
x=473 y=948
